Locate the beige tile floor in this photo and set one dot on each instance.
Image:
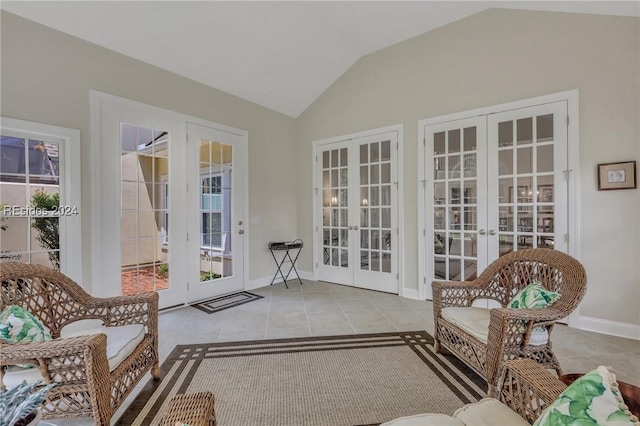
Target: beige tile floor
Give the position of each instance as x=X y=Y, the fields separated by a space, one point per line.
x=318 y=308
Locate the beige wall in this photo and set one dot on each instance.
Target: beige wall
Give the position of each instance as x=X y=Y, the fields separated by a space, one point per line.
x=47 y=76
x=494 y=57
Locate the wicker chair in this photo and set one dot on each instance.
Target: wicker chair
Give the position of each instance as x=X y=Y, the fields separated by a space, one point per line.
x=509 y=330
x=85 y=385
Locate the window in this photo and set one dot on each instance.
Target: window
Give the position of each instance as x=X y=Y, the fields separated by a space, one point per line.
x=211 y=207
x=40 y=195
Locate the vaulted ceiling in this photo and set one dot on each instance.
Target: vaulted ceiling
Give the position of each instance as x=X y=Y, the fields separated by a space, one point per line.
x=281 y=55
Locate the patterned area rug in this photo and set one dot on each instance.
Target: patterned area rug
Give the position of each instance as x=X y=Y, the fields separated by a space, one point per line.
x=225 y=302
x=337 y=380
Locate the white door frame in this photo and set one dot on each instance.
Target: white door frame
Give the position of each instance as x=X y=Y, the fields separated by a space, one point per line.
x=573 y=139
x=104 y=219
x=399 y=129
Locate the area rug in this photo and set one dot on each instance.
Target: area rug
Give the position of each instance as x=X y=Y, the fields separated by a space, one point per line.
x=225 y=302
x=336 y=380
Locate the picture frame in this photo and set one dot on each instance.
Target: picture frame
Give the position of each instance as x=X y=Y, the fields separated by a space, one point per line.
x=620 y=175
x=545 y=193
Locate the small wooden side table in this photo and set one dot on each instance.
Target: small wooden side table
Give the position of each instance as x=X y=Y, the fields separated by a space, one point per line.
x=194 y=409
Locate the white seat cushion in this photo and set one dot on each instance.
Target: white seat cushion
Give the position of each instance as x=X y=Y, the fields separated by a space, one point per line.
x=429 y=419
x=475 y=321
x=488 y=412
x=121 y=342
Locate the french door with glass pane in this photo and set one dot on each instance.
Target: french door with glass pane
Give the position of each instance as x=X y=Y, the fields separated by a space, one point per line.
x=493 y=184
x=357 y=212
x=168 y=204
x=215 y=254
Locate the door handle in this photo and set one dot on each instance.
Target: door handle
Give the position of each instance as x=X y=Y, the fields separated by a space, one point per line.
x=492 y=232
x=355 y=228
x=482 y=232
x=350 y=228
x=241 y=231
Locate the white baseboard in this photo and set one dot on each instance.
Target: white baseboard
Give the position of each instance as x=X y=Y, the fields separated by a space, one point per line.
x=613 y=328
x=411 y=293
x=265 y=281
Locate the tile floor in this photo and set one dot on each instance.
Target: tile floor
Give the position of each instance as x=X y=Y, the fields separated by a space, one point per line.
x=318 y=308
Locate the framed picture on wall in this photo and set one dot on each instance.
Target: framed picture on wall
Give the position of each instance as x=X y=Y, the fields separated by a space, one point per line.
x=621 y=175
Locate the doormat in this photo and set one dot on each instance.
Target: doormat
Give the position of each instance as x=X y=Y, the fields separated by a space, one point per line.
x=225 y=302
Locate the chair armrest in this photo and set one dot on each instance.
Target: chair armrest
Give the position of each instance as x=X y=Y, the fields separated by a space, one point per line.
x=63 y=360
x=527 y=388
x=123 y=310
x=454 y=293
x=76 y=364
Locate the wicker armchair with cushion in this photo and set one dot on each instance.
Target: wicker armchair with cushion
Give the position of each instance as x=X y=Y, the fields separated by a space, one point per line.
x=529 y=394
x=486 y=338
x=100 y=347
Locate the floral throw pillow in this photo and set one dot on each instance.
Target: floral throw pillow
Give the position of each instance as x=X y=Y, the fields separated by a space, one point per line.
x=18 y=325
x=533 y=296
x=591 y=400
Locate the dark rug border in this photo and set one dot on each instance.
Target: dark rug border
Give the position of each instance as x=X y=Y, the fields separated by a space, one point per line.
x=413 y=339
x=199 y=305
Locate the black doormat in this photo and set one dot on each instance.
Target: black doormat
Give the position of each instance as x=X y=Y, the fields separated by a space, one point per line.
x=225 y=302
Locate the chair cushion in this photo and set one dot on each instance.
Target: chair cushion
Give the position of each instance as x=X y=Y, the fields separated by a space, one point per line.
x=17 y=325
x=429 y=419
x=488 y=412
x=593 y=399
x=474 y=321
x=121 y=342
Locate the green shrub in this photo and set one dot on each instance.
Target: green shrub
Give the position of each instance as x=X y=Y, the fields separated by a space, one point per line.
x=47 y=227
x=207 y=276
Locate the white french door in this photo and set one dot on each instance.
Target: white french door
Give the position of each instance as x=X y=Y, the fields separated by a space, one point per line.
x=168 y=203
x=493 y=184
x=216 y=221
x=357 y=214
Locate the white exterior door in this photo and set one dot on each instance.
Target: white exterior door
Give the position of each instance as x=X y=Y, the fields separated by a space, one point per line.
x=216 y=212
x=493 y=184
x=357 y=214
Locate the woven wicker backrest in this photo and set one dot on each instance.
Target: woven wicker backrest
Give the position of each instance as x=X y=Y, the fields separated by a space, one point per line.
x=556 y=271
x=51 y=296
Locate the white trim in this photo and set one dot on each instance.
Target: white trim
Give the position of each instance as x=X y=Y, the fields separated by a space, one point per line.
x=412 y=293
x=573 y=143
x=399 y=130
x=266 y=281
x=70 y=190
x=612 y=328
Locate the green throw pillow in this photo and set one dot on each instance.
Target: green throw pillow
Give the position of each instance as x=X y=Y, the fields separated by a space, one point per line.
x=591 y=400
x=18 y=325
x=533 y=296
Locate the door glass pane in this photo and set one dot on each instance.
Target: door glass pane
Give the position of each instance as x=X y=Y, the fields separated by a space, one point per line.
x=524 y=130
x=375 y=222
x=544 y=128
x=144 y=202
x=455 y=203
x=335 y=237
x=216 y=183
x=469 y=139
x=526 y=209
